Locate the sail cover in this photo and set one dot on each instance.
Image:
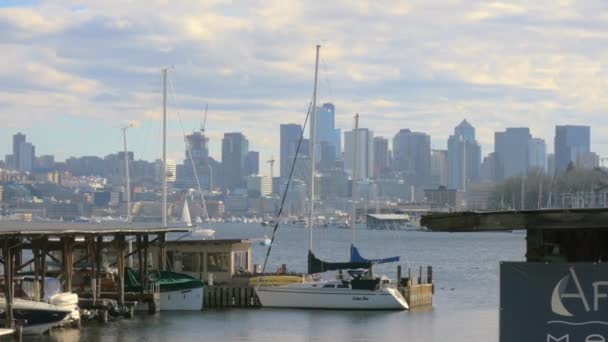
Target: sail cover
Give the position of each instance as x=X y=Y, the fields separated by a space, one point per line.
x=316 y=265
x=355 y=256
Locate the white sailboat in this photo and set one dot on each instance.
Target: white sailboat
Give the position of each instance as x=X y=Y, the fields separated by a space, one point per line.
x=358 y=293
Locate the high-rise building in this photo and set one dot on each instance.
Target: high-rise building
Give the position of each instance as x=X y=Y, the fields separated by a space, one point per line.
x=290 y=135
x=326 y=159
x=258 y=185
x=488 y=167
x=171 y=171
x=464 y=156
x=45 y=162
x=18 y=139
x=27 y=155
x=326 y=128
x=196 y=162
x=380 y=156
x=439 y=168
x=537 y=154
x=572 y=145
x=234 y=152
x=365 y=153
x=512 y=152
x=252 y=163
x=551 y=164
x=412 y=157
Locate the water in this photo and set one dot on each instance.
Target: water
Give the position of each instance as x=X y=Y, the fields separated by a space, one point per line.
x=465 y=307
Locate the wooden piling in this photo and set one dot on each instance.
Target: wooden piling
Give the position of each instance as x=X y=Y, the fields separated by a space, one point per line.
x=120 y=262
x=8 y=282
x=67 y=263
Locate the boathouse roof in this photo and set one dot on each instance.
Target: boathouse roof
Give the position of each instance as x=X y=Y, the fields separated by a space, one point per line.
x=543 y=219
x=59 y=228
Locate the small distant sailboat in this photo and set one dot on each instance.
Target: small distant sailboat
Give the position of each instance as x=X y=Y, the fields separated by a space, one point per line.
x=198 y=230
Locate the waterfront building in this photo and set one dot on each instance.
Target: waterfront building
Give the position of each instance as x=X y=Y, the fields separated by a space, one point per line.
x=412 y=156
x=572 y=145
x=439 y=168
x=327 y=158
x=464 y=156
x=381 y=156
x=290 y=135
x=234 y=152
x=512 y=152
x=365 y=153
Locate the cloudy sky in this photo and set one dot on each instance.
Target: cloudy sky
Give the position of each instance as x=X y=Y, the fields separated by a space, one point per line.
x=73 y=73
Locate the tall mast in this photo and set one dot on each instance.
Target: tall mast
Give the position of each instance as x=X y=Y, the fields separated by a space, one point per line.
x=312 y=148
x=353 y=217
x=127 y=180
x=164 y=159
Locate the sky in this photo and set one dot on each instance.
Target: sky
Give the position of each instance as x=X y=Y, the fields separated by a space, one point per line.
x=74 y=73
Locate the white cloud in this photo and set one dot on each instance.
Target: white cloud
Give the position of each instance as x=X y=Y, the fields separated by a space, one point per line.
x=252 y=62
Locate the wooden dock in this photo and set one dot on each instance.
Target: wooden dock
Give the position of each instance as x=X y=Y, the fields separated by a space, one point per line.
x=230 y=297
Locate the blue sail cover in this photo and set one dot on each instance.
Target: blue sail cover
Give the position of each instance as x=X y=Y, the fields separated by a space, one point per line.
x=356 y=257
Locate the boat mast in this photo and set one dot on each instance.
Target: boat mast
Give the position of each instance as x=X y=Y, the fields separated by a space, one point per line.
x=353 y=217
x=312 y=147
x=164 y=159
x=127 y=180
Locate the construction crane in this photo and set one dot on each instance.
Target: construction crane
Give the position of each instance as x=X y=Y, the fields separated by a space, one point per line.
x=271 y=162
x=204 y=122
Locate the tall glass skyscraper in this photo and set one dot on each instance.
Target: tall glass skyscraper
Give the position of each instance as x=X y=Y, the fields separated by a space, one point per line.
x=464 y=156
x=572 y=144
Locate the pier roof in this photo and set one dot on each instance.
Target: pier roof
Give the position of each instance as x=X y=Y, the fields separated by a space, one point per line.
x=470 y=221
x=58 y=228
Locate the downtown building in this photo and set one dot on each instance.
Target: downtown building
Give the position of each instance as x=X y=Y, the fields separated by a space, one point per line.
x=365 y=153
x=572 y=145
x=412 y=157
x=290 y=136
x=234 y=154
x=516 y=152
x=463 y=157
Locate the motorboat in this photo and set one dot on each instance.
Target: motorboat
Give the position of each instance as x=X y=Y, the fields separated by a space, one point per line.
x=40 y=317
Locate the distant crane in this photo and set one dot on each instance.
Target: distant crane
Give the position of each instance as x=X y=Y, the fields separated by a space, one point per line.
x=204 y=122
x=271 y=162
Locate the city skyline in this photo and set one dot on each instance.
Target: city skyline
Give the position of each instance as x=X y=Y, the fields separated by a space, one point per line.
x=419 y=77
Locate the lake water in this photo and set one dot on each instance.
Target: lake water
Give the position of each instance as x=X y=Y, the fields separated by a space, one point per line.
x=465 y=303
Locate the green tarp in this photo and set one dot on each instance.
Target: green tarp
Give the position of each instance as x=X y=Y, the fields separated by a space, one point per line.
x=168 y=281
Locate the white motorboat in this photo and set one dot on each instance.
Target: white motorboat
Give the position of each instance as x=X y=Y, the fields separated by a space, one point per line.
x=357 y=294
x=40 y=317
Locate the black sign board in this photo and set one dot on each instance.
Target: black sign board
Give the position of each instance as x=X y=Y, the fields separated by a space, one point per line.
x=553 y=302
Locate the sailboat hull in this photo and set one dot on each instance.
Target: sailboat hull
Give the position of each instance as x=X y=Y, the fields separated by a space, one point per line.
x=302 y=296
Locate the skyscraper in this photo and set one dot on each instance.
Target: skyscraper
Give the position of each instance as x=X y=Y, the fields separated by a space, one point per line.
x=290 y=135
x=380 y=156
x=326 y=127
x=234 y=152
x=464 y=156
x=365 y=153
x=18 y=139
x=572 y=144
x=27 y=154
x=252 y=163
x=512 y=152
x=412 y=156
x=537 y=155
x=439 y=168
x=198 y=145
